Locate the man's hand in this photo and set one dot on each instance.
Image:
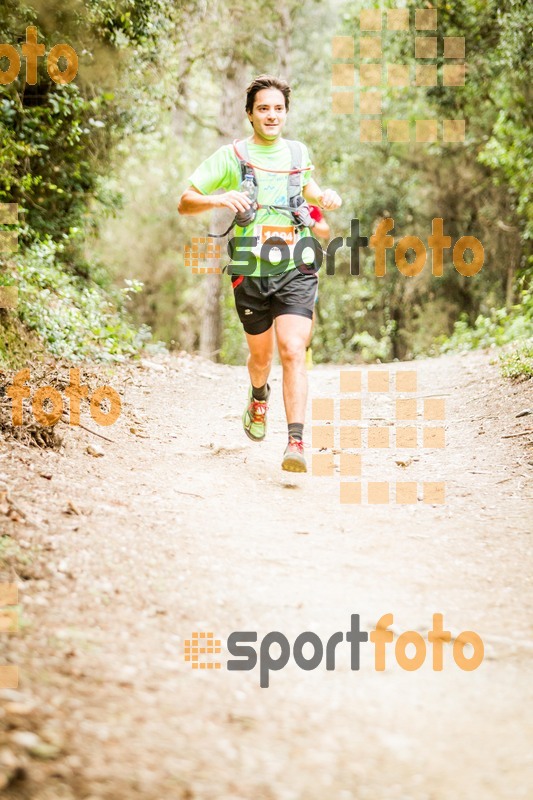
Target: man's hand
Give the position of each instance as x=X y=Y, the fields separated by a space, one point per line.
x=330 y=200
x=237 y=201
x=193 y=201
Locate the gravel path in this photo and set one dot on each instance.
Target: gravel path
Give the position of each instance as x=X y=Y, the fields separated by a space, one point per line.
x=184 y=525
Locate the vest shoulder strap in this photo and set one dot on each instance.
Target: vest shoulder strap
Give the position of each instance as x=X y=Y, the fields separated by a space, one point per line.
x=296 y=153
x=294 y=181
x=245 y=169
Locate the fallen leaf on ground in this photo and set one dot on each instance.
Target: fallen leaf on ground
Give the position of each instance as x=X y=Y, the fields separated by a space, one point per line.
x=95 y=451
x=404 y=463
x=138 y=433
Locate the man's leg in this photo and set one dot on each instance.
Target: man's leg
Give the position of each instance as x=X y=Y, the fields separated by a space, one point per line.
x=310 y=337
x=308 y=348
x=261 y=347
x=292 y=333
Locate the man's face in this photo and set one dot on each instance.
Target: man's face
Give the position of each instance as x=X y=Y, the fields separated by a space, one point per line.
x=269 y=114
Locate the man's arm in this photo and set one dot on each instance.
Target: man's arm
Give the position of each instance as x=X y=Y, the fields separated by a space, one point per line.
x=327 y=199
x=192 y=201
x=321 y=228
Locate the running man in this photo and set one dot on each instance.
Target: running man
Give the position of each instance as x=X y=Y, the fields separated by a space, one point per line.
x=267 y=295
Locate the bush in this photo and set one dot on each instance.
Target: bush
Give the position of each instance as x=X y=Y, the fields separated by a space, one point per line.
x=501 y=327
x=518 y=363
x=75 y=317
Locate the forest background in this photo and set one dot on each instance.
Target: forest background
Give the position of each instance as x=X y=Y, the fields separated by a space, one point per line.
x=97 y=167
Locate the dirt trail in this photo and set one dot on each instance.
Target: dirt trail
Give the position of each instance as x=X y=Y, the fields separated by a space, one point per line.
x=184 y=525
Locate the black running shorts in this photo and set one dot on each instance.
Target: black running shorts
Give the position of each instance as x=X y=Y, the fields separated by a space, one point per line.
x=259 y=300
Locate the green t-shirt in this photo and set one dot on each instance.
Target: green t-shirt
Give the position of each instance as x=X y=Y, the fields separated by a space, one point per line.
x=222 y=171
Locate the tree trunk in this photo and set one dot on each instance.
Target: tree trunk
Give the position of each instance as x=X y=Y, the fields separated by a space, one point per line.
x=284 y=42
x=211 y=328
x=231 y=117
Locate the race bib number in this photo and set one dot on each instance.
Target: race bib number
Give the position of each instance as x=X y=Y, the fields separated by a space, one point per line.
x=271 y=253
x=285 y=232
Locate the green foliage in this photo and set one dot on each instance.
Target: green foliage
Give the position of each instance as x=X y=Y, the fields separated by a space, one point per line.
x=144 y=239
x=519 y=362
x=46 y=166
x=499 y=328
x=55 y=144
x=509 y=150
x=479 y=188
x=509 y=153
x=109 y=155
x=75 y=318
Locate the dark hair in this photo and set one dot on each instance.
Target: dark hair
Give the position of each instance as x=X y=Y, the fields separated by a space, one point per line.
x=266 y=82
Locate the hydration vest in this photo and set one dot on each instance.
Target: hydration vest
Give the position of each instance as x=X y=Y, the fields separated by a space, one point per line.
x=298 y=208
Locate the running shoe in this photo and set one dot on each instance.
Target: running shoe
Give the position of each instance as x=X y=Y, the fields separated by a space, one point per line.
x=254 y=419
x=293 y=457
